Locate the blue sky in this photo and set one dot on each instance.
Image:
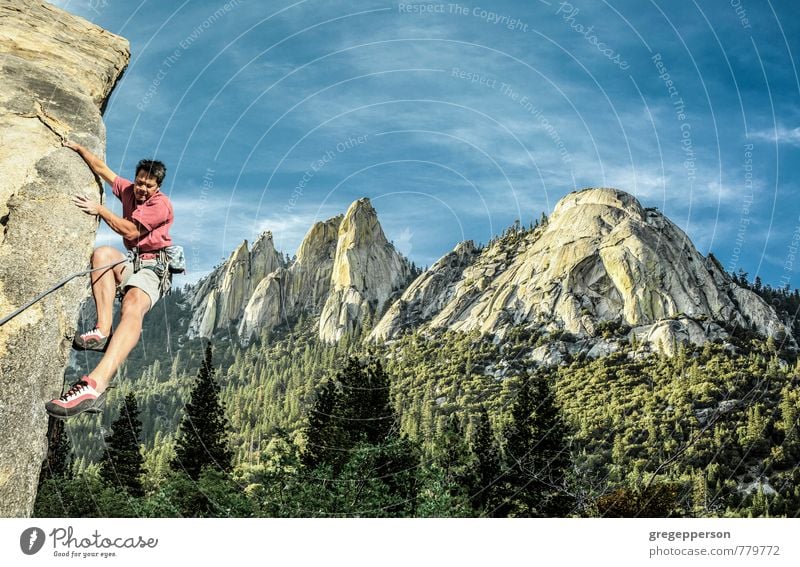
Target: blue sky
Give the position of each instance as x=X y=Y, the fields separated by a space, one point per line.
x=456 y=119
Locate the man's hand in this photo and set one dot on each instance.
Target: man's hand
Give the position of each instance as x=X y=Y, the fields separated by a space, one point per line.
x=129 y=230
x=87 y=205
x=71 y=145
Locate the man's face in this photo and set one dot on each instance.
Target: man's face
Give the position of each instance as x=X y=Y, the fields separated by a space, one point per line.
x=144 y=187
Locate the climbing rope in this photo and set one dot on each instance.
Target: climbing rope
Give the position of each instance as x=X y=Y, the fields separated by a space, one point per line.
x=63 y=282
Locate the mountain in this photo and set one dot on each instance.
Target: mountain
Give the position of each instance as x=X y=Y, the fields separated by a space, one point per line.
x=601 y=262
x=367 y=273
x=710 y=429
x=345 y=272
x=601 y=259
x=220 y=299
x=56 y=74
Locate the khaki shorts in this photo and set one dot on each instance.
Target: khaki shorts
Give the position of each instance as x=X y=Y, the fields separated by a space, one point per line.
x=145 y=279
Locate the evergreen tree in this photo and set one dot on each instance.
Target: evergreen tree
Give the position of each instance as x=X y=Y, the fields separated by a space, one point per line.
x=122 y=464
x=203 y=432
x=352 y=408
x=484 y=494
x=536 y=456
x=453 y=462
x=324 y=433
x=57 y=463
x=358 y=461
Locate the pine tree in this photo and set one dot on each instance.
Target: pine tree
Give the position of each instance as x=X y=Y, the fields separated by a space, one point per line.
x=122 y=464
x=203 y=431
x=323 y=434
x=352 y=408
x=488 y=465
x=536 y=456
x=352 y=437
x=453 y=457
x=57 y=464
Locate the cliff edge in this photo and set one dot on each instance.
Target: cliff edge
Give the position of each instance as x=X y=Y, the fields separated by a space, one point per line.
x=56 y=73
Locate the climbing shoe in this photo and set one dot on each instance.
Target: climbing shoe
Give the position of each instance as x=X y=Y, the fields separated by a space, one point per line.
x=92 y=340
x=81 y=397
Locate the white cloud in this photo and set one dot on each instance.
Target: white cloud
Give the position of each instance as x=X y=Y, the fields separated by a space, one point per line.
x=779 y=134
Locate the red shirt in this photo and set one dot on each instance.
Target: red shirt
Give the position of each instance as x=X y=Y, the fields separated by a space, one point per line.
x=154 y=215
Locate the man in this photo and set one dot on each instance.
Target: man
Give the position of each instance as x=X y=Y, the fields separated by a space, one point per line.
x=144 y=226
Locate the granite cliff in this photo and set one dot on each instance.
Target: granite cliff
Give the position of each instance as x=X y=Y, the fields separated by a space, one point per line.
x=56 y=74
x=345 y=272
x=367 y=273
x=219 y=300
x=601 y=258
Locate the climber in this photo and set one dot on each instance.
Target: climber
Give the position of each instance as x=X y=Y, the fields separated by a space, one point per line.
x=144 y=227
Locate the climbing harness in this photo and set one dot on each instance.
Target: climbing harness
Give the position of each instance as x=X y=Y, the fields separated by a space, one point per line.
x=63 y=282
x=171 y=260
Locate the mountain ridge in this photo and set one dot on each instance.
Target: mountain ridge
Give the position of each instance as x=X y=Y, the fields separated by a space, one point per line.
x=345 y=271
x=600 y=259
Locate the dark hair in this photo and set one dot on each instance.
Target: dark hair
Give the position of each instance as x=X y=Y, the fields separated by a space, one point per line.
x=152 y=168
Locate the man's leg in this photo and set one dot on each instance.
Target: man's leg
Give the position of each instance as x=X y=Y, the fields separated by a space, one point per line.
x=104 y=285
x=134 y=306
x=87 y=393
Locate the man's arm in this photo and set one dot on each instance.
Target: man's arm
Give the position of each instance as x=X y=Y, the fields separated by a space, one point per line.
x=129 y=230
x=97 y=165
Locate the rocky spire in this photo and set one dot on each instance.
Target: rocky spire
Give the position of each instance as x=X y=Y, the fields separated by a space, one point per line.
x=221 y=298
x=367 y=272
x=302 y=287
x=314 y=265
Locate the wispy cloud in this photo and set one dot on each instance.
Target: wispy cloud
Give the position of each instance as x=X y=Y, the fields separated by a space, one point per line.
x=779 y=134
x=468 y=124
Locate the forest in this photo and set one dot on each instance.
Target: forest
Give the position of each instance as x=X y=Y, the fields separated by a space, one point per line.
x=434 y=425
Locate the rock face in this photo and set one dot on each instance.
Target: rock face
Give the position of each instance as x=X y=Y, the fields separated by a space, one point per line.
x=221 y=298
x=302 y=287
x=600 y=258
x=367 y=272
x=56 y=73
x=345 y=271
x=428 y=294
x=314 y=265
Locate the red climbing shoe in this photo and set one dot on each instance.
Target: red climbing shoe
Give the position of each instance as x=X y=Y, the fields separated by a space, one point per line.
x=81 y=397
x=91 y=340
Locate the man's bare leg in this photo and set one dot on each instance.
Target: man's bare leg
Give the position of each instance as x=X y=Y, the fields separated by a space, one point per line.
x=104 y=285
x=134 y=306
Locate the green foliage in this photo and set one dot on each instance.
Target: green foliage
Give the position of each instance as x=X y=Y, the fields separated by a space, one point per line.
x=656 y=501
x=203 y=435
x=533 y=481
x=57 y=464
x=213 y=495
x=84 y=496
x=349 y=409
x=452 y=424
x=354 y=453
x=709 y=411
x=440 y=496
x=486 y=493
x=121 y=466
